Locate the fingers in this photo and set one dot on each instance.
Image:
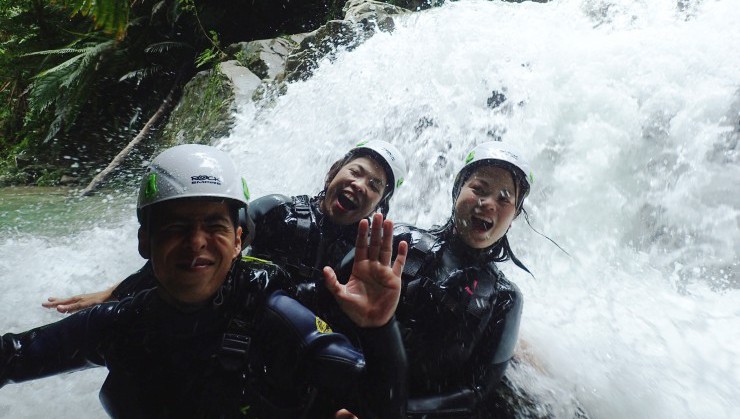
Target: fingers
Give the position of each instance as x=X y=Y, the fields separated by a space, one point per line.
x=386 y=248
x=53 y=302
x=376 y=237
x=361 y=242
x=403 y=250
x=330 y=279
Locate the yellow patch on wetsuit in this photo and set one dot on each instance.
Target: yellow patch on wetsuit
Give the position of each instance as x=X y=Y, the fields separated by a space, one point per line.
x=321 y=326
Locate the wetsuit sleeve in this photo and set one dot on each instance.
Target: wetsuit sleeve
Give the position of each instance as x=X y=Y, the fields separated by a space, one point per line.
x=371 y=385
x=486 y=366
x=141 y=280
x=73 y=343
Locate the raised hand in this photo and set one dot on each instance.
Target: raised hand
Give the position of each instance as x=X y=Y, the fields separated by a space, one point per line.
x=371 y=295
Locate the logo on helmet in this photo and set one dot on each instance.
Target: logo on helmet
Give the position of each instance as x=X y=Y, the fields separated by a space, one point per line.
x=205 y=179
x=470 y=157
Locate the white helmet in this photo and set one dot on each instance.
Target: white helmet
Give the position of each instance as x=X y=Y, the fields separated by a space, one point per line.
x=192 y=171
x=390 y=157
x=501 y=154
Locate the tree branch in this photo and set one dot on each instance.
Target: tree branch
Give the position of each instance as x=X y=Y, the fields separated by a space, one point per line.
x=162 y=111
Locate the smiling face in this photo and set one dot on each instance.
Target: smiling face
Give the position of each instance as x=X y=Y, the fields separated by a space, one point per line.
x=355 y=191
x=485 y=207
x=191 y=245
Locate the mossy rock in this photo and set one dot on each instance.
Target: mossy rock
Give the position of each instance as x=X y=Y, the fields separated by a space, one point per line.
x=204 y=112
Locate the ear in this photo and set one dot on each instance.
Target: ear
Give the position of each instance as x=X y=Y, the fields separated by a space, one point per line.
x=238 y=242
x=144 y=247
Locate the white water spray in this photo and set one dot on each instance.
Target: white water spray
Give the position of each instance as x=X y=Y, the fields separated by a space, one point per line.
x=628 y=112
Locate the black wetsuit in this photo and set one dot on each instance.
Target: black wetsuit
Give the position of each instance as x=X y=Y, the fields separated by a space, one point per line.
x=249 y=352
x=459 y=318
x=295 y=234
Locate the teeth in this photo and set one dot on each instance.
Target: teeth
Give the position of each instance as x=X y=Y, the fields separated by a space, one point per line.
x=485 y=223
x=350 y=197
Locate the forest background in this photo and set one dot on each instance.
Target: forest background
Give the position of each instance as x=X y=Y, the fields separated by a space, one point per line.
x=80 y=78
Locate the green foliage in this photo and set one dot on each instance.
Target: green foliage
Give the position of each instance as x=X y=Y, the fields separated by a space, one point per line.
x=78 y=77
x=210 y=55
x=64 y=87
x=109 y=15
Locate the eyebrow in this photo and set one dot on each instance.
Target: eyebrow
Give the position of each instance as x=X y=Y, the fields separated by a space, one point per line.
x=487 y=184
x=375 y=179
x=209 y=218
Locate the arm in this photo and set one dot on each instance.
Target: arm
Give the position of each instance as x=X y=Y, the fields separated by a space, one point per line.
x=139 y=281
x=372 y=385
x=71 y=344
x=369 y=298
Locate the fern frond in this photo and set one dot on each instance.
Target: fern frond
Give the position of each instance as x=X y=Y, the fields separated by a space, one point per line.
x=60 y=51
x=143 y=73
x=60 y=67
x=110 y=15
x=162 y=47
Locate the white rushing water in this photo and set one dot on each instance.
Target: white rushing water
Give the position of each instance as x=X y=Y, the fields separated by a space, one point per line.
x=629 y=112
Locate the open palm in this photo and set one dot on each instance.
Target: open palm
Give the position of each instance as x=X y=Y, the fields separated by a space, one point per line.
x=371 y=295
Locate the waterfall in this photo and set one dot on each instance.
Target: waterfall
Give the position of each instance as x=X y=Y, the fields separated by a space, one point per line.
x=629 y=112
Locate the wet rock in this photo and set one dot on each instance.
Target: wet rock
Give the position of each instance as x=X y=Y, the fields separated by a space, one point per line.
x=496 y=99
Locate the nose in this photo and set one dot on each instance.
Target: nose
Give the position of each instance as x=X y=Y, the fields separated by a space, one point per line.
x=360 y=185
x=197 y=239
x=486 y=203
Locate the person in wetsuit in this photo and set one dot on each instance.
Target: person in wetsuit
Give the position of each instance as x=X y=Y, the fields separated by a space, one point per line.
x=213 y=339
x=459 y=314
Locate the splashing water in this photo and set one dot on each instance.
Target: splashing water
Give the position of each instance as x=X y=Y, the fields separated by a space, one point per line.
x=629 y=114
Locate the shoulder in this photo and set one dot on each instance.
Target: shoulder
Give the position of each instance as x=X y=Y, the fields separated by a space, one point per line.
x=508 y=292
x=412 y=234
x=263 y=205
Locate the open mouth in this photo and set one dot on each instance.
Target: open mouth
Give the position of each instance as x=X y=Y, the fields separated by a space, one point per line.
x=480 y=224
x=346 y=201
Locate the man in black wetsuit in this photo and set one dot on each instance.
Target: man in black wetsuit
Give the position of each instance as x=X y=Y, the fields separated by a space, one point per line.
x=212 y=339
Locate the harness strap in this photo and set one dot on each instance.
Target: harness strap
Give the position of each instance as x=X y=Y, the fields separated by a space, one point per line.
x=418 y=254
x=302 y=208
x=304 y=222
x=235 y=344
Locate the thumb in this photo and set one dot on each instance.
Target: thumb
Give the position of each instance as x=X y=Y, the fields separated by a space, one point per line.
x=330 y=279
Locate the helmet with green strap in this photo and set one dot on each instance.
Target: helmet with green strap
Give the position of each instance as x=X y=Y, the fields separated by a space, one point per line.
x=192 y=171
x=392 y=161
x=497 y=153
